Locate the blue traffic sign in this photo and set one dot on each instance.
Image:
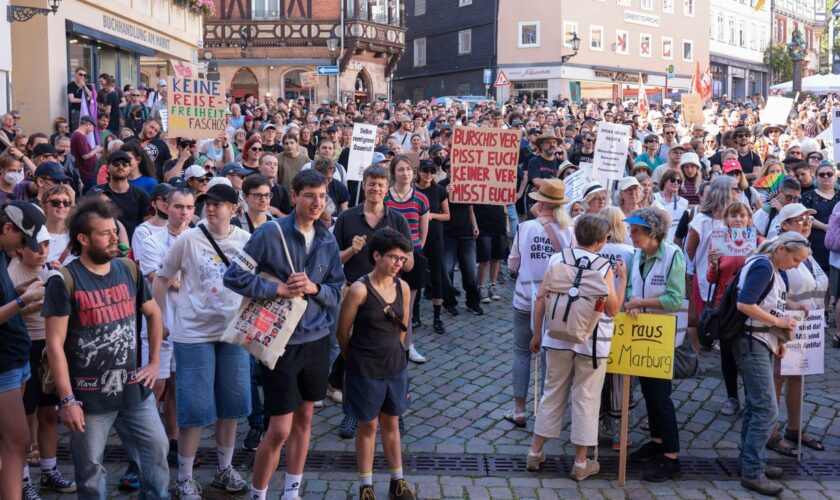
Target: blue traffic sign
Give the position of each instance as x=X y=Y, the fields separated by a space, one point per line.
x=488 y=76
x=327 y=70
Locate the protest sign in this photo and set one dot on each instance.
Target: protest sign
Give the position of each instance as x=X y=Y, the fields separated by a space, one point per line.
x=184 y=69
x=736 y=241
x=611 y=148
x=644 y=346
x=777 y=110
x=806 y=352
x=196 y=108
x=309 y=79
x=361 y=150
x=575 y=182
x=835 y=129
x=484 y=164
x=692 y=109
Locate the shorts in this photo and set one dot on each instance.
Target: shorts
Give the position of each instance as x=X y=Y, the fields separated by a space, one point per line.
x=214 y=382
x=489 y=247
x=14 y=378
x=299 y=375
x=416 y=278
x=834 y=282
x=365 y=398
x=33 y=395
x=167 y=360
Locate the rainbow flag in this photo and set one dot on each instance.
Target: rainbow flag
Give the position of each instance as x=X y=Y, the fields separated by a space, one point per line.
x=769 y=182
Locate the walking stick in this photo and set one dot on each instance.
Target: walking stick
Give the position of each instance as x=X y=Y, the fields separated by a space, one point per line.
x=536 y=383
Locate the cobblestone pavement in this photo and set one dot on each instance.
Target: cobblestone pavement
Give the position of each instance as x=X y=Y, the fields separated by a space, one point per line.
x=458 y=398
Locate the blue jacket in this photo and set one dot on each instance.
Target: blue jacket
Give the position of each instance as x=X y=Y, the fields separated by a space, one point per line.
x=264 y=253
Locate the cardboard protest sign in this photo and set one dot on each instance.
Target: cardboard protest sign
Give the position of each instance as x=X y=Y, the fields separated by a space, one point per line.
x=575 y=182
x=611 y=147
x=184 y=69
x=692 y=109
x=739 y=242
x=484 y=164
x=309 y=79
x=777 y=110
x=835 y=129
x=195 y=108
x=644 y=346
x=806 y=352
x=361 y=150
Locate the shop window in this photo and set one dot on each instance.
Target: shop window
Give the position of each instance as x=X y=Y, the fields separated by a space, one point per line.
x=464 y=42
x=419 y=52
x=81 y=54
x=292 y=86
x=529 y=34
x=107 y=60
x=128 y=69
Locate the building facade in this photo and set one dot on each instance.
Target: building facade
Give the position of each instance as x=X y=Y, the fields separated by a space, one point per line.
x=619 y=39
x=809 y=17
x=739 y=35
x=5 y=60
x=449 y=44
x=264 y=47
x=134 y=40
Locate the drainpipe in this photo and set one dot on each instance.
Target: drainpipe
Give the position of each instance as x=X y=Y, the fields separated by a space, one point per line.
x=340 y=55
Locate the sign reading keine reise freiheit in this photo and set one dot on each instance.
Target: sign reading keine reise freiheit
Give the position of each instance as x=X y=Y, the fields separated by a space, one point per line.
x=196 y=108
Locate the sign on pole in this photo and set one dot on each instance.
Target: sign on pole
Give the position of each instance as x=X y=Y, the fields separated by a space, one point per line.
x=327 y=70
x=611 y=148
x=488 y=76
x=806 y=352
x=309 y=79
x=195 y=107
x=670 y=70
x=643 y=347
x=734 y=241
x=835 y=128
x=361 y=150
x=692 y=108
x=777 y=110
x=484 y=164
x=501 y=79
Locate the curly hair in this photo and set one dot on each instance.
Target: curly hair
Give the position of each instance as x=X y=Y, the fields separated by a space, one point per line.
x=658 y=221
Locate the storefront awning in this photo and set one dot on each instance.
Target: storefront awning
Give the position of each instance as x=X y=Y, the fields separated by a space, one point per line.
x=111 y=39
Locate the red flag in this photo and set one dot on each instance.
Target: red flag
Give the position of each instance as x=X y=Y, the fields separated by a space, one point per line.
x=643 y=100
x=701 y=83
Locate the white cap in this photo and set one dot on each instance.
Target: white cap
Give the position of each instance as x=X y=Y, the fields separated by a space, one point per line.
x=627 y=183
x=43 y=235
x=161 y=83
x=690 y=158
x=196 y=171
x=219 y=180
x=794 y=210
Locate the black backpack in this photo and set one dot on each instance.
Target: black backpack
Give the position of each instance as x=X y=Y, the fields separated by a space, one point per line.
x=725 y=321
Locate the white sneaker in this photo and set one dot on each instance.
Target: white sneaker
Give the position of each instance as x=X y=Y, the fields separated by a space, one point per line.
x=319 y=404
x=415 y=356
x=492 y=293
x=188 y=490
x=336 y=395
x=483 y=294
x=229 y=480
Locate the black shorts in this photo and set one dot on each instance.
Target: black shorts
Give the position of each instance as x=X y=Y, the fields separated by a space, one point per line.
x=299 y=375
x=416 y=278
x=33 y=394
x=365 y=398
x=491 y=248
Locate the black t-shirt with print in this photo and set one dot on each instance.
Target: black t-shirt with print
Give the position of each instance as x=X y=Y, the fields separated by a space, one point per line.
x=102 y=342
x=14 y=348
x=158 y=151
x=133 y=206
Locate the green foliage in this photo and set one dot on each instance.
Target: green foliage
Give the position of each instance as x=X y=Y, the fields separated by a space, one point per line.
x=776 y=58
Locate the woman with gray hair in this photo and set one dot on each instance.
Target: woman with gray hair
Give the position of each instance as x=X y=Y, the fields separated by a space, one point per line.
x=657 y=286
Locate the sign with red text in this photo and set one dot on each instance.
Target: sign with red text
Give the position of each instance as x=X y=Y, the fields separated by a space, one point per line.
x=309 y=79
x=484 y=164
x=195 y=107
x=735 y=241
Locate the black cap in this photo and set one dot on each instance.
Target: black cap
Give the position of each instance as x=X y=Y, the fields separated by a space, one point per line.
x=178 y=183
x=51 y=170
x=86 y=119
x=426 y=165
x=29 y=219
x=220 y=192
x=44 y=149
x=118 y=156
x=232 y=168
x=434 y=149
x=332 y=128
x=161 y=190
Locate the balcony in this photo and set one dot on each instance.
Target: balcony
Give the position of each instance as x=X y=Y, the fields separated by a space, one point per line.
x=269 y=33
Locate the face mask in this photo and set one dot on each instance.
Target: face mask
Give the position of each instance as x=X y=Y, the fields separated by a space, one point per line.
x=13 y=178
x=440 y=160
x=162 y=215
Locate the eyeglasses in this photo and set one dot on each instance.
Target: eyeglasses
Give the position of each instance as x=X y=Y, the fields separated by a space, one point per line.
x=825 y=175
x=802 y=220
x=670 y=133
x=739 y=136
x=396 y=259
x=795 y=153
x=59 y=203
x=676 y=181
x=589 y=140
x=120 y=164
x=260 y=196
x=81 y=74
x=791 y=198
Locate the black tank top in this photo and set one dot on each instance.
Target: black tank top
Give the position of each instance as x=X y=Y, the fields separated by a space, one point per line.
x=375 y=350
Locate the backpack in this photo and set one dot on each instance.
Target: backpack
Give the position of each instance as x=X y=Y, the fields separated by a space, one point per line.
x=577 y=290
x=725 y=321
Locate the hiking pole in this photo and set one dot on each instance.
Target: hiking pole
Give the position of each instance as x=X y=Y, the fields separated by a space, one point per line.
x=801 y=420
x=536 y=382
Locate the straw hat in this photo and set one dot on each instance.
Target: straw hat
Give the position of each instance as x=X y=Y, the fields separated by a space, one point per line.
x=552 y=191
x=546 y=136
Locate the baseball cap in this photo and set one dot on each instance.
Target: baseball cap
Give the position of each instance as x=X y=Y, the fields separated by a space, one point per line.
x=86 y=119
x=196 y=171
x=325 y=102
x=378 y=158
x=427 y=165
x=118 y=156
x=178 y=182
x=161 y=190
x=332 y=128
x=627 y=183
x=691 y=158
x=232 y=168
x=435 y=148
x=731 y=165
x=219 y=180
x=220 y=192
x=43 y=149
x=51 y=170
x=268 y=125
x=794 y=210
x=161 y=83
x=29 y=219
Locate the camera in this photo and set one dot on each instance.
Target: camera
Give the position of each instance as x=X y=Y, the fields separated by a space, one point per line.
x=184 y=142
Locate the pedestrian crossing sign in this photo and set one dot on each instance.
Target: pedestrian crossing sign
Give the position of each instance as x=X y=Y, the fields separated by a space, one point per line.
x=502 y=79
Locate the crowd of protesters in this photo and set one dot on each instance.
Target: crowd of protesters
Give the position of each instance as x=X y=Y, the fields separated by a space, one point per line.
x=127 y=252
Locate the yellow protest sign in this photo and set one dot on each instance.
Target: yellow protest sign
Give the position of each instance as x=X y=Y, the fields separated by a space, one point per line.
x=643 y=347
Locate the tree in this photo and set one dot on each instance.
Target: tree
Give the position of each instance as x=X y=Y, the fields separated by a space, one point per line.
x=776 y=58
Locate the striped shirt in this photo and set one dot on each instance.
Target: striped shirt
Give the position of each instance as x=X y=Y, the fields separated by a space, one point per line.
x=412 y=209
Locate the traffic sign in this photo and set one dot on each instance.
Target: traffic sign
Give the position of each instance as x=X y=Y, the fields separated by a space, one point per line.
x=327 y=70
x=670 y=71
x=488 y=76
x=502 y=79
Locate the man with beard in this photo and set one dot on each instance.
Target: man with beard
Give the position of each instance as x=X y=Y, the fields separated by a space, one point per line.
x=545 y=165
x=132 y=201
x=92 y=344
x=157 y=150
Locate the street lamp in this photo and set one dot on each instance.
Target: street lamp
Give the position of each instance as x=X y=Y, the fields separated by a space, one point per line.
x=575 y=41
x=797 y=50
x=246 y=37
x=22 y=13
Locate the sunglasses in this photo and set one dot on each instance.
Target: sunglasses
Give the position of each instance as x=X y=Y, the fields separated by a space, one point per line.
x=81 y=74
x=739 y=136
x=59 y=203
x=676 y=181
x=201 y=180
x=825 y=175
x=791 y=198
x=120 y=164
x=256 y=150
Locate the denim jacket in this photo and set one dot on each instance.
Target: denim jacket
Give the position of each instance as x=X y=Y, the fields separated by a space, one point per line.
x=264 y=254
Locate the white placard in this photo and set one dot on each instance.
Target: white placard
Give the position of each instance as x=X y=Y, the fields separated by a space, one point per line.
x=777 y=110
x=575 y=182
x=733 y=241
x=835 y=128
x=611 y=148
x=806 y=352
x=361 y=150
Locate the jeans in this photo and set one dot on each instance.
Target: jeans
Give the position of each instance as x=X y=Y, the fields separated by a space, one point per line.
x=462 y=250
x=513 y=219
x=729 y=368
x=660 y=411
x=522 y=355
x=141 y=431
x=760 y=406
x=257 y=419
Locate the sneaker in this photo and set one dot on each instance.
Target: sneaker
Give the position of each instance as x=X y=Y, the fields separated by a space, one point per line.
x=451 y=310
x=29 y=491
x=476 y=309
x=484 y=294
x=366 y=492
x=416 y=323
x=534 y=460
x=646 y=453
x=130 y=480
x=438 y=327
x=189 y=489
x=172 y=456
x=347 y=429
x=229 y=480
x=252 y=440
x=762 y=486
x=581 y=473
x=319 y=404
x=716 y=346
x=664 y=469
x=399 y=490
x=415 y=356
x=335 y=394
x=54 y=480
x=730 y=407
x=493 y=294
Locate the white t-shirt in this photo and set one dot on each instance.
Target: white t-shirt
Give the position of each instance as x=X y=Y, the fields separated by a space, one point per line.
x=141 y=233
x=760 y=219
x=204 y=306
x=58 y=245
x=703 y=225
x=155 y=249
